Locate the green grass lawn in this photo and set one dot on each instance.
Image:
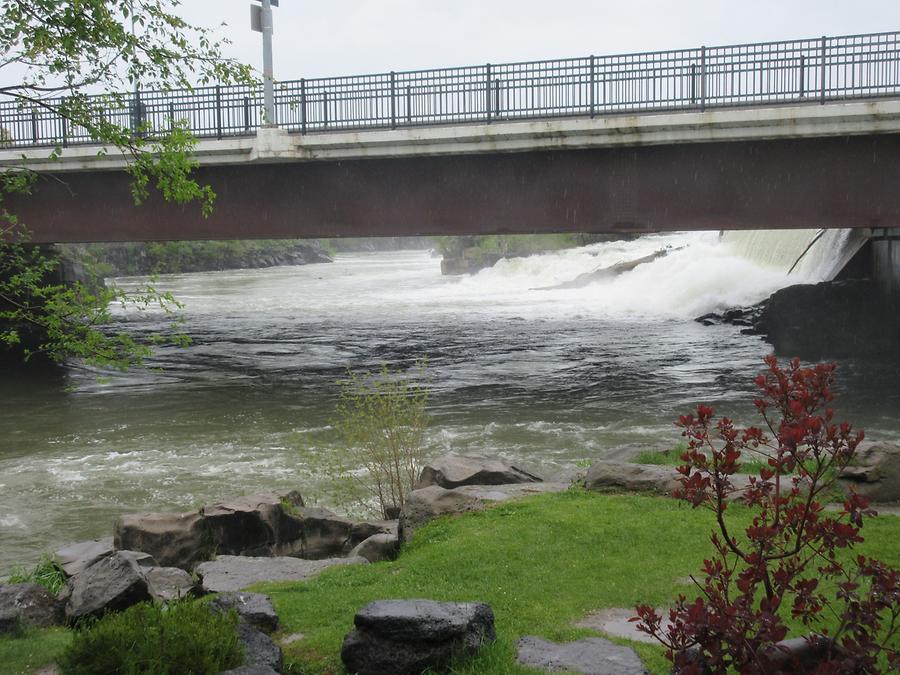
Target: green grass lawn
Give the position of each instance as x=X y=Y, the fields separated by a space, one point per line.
x=34 y=649
x=541 y=563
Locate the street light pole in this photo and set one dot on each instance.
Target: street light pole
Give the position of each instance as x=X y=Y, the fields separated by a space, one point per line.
x=269 y=88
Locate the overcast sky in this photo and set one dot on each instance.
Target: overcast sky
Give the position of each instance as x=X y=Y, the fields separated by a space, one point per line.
x=344 y=37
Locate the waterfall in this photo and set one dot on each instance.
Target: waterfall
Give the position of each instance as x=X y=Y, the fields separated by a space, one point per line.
x=810 y=255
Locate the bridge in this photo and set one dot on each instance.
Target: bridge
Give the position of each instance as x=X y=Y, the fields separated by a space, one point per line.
x=802 y=133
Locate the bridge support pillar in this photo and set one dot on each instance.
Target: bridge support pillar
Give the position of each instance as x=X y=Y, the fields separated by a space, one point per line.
x=886 y=260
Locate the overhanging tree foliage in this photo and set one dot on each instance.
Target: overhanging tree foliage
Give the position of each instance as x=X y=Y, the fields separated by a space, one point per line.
x=76 y=58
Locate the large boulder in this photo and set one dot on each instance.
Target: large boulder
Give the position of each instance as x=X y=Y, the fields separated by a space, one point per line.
x=113 y=583
x=369 y=528
x=260 y=524
x=75 y=558
x=167 y=584
x=875 y=472
x=234 y=573
x=404 y=637
x=28 y=605
x=453 y=470
x=615 y=475
x=377 y=548
x=173 y=539
x=590 y=656
x=428 y=503
x=869 y=321
x=260 y=652
x=323 y=534
x=424 y=505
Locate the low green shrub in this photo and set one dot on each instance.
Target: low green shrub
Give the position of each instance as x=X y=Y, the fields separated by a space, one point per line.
x=47 y=573
x=178 y=639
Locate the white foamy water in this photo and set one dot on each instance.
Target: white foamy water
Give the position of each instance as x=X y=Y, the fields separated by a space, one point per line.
x=545 y=377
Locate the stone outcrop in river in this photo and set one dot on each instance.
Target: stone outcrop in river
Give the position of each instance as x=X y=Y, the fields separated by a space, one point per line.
x=832 y=319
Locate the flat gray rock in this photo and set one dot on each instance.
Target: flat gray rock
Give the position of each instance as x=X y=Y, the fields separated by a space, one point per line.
x=615 y=621
x=167 y=584
x=75 y=558
x=453 y=470
x=255 y=608
x=235 y=573
x=590 y=656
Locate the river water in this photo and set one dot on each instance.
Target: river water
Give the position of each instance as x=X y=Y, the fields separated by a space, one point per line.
x=547 y=377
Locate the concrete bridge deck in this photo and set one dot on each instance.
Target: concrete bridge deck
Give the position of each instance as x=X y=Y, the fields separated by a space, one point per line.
x=779 y=167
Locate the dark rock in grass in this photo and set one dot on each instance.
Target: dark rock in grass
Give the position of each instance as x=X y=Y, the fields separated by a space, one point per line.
x=256 y=524
x=428 y=503
x=875 y=472
x=590 y=656
x=28 y=605
x=324 y=534
x=368 y=528
x=250 y=670
x=234 y=573
x=613 y=475
x=404 y=637
x=173 y=539
x=259 y=650
x=113 y=583
x=78 y=557
x=452 y=471
x=378 y=547
x=254 y=608
x=167 y=584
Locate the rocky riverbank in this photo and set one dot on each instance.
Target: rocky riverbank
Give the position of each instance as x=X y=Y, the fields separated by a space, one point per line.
x=129 y=259
x=832 y=319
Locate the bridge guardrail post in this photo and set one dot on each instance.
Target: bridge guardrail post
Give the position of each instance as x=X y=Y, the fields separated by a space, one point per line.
x=693 y=84
x=65 y=127
x=393 y=100
x=171 y=115
x=802 y=75
x=487 y=92
x=823 y=51
x=325 y=109
x=702 y=78
x=219 y=112
x=593 y=79
x=34 y=127
x=246 y=114
x=409 y=105
x=303 y=106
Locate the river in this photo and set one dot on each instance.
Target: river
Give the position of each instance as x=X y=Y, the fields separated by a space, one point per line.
x=548 y=377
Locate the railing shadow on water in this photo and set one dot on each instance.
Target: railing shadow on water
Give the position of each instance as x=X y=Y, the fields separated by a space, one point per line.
x=817 y=70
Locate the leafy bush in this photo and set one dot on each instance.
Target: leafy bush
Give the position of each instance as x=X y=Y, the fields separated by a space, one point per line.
x=182 y=637
x=381 y=418
x=794 y=557
x=47 y=573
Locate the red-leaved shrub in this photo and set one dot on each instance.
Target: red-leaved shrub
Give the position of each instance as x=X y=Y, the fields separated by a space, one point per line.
x=792 y=561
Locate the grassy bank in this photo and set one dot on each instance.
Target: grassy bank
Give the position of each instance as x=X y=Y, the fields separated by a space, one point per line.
x=542 y=564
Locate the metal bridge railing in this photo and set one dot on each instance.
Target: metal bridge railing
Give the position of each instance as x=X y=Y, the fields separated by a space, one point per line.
x=814 y=70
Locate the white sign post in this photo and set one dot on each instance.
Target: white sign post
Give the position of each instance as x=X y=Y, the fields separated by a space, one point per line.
x=261 y=22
